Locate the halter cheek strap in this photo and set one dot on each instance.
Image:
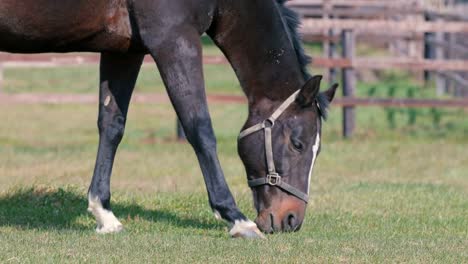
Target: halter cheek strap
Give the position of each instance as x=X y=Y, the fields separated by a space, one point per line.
x=273 y=178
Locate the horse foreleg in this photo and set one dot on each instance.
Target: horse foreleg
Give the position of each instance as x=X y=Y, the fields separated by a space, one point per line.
x=179 y=60
x=118 y=74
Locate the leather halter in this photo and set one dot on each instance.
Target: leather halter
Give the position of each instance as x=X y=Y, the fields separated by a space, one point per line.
x=273 y=178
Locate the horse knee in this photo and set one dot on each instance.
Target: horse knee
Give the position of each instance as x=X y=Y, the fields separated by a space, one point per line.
x=200 y=135
x=112 y=129
x=202 y=142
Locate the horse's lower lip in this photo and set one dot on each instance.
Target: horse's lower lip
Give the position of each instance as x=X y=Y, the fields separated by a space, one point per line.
x=265 y=227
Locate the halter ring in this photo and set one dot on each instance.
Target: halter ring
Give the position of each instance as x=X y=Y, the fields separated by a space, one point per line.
x=268 y=123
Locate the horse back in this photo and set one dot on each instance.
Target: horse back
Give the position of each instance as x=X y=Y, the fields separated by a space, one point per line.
x=30 y=26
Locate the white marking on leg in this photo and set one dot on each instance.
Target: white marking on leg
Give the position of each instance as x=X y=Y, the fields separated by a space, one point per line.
x=217 y=215
x=315 y=149
x=107 y=101
x=245 y=228
x=106 y=220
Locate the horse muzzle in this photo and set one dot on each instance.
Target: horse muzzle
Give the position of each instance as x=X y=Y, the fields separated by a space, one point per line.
x=286 y=217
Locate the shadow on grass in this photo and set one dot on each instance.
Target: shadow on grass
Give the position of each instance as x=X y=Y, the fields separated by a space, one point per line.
x=36 y=208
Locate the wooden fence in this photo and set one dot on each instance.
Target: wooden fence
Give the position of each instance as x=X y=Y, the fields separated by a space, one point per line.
x=342 y=22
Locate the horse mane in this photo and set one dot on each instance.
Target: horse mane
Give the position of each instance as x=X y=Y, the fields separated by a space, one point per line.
x=323 y=103
x=292 y=21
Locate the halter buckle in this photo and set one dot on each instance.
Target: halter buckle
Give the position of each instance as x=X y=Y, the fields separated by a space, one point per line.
x=268 y=123
x=273 y=179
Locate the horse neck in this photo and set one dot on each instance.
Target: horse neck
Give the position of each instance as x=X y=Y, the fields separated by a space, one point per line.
x=253 y=36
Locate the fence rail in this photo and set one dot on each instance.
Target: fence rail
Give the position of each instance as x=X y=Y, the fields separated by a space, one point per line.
x=357 y=3
x=391 y=63
x=313 y=25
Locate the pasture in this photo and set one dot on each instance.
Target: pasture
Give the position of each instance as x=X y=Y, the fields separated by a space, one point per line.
x=396 y=192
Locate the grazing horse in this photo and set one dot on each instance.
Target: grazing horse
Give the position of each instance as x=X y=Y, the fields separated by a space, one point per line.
x=281 y=138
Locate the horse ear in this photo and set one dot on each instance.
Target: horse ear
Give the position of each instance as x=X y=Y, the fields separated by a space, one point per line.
x=330 y=93
x=309 y=91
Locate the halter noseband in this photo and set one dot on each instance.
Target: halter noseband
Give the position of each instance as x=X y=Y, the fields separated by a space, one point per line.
x=273 y=178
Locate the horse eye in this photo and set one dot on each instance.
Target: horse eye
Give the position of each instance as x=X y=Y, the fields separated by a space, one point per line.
x=297 y=144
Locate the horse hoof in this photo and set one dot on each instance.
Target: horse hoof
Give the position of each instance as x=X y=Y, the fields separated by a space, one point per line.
x=246 y=229
x=106 y=220
x=109 y=229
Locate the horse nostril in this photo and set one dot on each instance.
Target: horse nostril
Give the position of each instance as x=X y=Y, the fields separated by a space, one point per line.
x=290 y=222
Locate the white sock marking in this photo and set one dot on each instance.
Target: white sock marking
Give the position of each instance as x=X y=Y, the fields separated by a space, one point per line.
x=217 y=215
x=243 y=228
x=106 y=220
x=315 y=149
x=107 y=101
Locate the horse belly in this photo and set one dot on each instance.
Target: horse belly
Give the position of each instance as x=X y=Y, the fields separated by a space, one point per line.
x=30 y=26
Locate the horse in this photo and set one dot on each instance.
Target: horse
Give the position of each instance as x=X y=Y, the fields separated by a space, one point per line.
x=281 y=138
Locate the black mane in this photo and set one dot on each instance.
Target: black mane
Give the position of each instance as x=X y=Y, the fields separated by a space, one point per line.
x=292 y=21
x=323 y=103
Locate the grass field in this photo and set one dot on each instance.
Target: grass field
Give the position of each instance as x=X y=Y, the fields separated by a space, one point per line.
x=396 y=192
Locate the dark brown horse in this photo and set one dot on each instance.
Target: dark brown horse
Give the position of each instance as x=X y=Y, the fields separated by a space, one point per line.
x=281 y=137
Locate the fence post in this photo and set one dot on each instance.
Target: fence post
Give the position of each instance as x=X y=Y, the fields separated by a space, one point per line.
x=349 y=83
x=326 y=44
x=1 y=78
x=332 y=74
x=429 y=48
x=180 y=131
x=441 y=83
x=451 y=54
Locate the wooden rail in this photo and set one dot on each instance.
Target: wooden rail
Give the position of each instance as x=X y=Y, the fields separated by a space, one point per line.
x=313 y=25
x=402 y=102
x=321 y=62
x=392 y=63
x=308 y=12
x=369 y=102
x=358 y=3
x=58 y=98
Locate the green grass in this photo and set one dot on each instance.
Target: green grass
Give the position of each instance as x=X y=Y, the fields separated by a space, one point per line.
x=391 y=194
x=80 y=79
x=396 y=192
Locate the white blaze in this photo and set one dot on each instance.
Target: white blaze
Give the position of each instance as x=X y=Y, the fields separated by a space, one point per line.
x=217 y=215
x=315 y=149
